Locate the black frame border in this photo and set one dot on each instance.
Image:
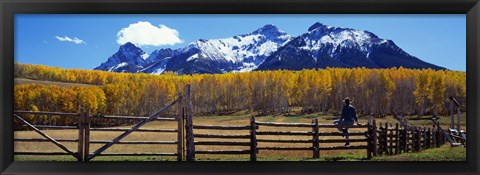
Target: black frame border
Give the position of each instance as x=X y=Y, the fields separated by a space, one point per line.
x=8 y=8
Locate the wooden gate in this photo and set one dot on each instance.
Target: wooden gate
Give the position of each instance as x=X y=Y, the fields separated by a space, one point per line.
x=84 y=120
x=46 y=138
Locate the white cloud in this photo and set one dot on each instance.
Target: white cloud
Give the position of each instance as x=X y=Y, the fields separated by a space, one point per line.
x=144 y=33
x=68 y=39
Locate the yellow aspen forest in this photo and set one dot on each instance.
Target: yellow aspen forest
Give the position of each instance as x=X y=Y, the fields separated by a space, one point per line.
x=376 y=92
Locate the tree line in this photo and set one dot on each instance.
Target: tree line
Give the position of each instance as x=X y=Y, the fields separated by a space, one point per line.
x=373 y=91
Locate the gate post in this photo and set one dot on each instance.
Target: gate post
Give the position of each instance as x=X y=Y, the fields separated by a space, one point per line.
x=458 y=118
x=180 y=129
x=86 y=126
x=81 y=134
x=189 y=126
x=253 y=139
x=452 y=114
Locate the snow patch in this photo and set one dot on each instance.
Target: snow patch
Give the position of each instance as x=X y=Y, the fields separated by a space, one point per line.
x=145 y=56
x=193 y=57
x=159 y=71
x=246 y=67
x=123 y=64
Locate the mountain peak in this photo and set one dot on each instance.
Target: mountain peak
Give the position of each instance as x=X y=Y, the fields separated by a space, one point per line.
x=316 y=26
x=130 y=48
x=268 y=30
x=128 y=45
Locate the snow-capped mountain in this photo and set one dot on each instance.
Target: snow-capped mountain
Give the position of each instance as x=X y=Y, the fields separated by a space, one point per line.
x=235 y=54
x=269 y=48
x=326 y=46
x=128 y=58
x=238 y=53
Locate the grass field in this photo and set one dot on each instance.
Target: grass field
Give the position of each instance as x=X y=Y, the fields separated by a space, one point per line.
x=444 y=153
x=240 y=118
x=20 y=81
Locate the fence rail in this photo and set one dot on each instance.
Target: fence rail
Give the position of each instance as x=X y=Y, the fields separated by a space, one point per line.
x=223 y=152
x=343 y=147
x=42 y=153
x=284 y=124
x=221 y=136
x=138 y=130
x=47 y=113
x=285 y=148
x=138 y=154
x=285 y=141
x=132 y=118
x=304 y=133
x=221 y=127
x=223 y=143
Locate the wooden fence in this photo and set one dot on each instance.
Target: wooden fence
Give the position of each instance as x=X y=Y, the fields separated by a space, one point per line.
x=388 y=139
x=250 y=144
x=254 y=141
x=316 y=135
x=84 y=141
x=381 y=139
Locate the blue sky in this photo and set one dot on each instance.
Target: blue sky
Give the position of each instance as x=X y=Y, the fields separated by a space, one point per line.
x=85 y=41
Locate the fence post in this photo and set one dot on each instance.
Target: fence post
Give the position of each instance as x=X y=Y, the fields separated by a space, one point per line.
x=409 y=139
x=433 y=144
x=418 y=138
x=434 y=137
x=405 y=139
x=397 y=142
x=375 y=143
x=81 y=135
x=189 y=126
x=180 y=129
x=452 y=114
x=385 y=139
x=316 y=146
x=458 y=118
x=390 y=143
x=422 y=138
x=380 y=139
x=414 y=139
x=253 y=139
x=425 y=138
x=87 y=134
x=369 y=139
x=428 y=136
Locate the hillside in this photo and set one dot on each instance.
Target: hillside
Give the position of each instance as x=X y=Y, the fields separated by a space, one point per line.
x=22 y=81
